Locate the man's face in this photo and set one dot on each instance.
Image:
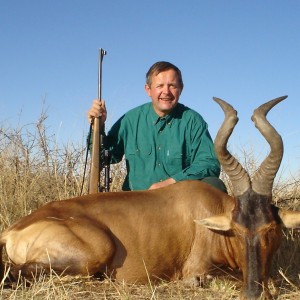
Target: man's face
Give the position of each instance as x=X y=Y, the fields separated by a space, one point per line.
x=164 y=91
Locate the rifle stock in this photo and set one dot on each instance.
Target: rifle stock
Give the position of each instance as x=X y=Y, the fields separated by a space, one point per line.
x=94 y=184
x=95 y=170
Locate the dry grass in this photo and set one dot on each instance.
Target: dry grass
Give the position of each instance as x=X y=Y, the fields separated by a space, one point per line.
x=65 y=287
x=34 y=170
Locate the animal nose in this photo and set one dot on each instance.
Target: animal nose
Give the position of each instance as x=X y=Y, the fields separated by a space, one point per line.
x=253 y=294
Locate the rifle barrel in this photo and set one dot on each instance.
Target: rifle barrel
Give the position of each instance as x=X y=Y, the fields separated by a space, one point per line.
x=95 y=182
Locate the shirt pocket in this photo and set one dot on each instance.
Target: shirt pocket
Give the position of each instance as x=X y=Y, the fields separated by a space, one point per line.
x=174 y=160
x=138 y=156
x=144 y=150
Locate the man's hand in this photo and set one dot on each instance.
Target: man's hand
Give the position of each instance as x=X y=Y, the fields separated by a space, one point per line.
x=161 y=184
x=97 y=109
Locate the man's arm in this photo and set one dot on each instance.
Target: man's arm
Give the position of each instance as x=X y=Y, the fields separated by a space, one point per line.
x=203 y=159
x=161 y=184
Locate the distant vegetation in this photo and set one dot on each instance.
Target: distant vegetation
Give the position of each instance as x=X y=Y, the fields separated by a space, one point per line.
x=34 y=170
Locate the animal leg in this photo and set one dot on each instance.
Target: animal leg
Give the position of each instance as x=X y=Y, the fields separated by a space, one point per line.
x=195 y=270
x=74 y=246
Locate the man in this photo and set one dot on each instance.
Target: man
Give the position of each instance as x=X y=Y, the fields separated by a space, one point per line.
x=163 y=141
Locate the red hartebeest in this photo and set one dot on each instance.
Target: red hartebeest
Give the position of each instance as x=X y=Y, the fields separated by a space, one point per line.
x=178 y=232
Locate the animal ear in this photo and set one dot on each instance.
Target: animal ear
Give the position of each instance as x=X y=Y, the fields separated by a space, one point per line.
x=218 y=222
x=289 y=218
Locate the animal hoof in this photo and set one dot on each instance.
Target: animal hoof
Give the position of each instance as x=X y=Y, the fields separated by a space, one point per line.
x=194 y=281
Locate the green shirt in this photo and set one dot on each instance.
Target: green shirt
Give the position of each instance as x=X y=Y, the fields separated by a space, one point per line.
x=178 y=146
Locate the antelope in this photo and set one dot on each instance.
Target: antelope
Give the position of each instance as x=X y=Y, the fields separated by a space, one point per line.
x=182 y=231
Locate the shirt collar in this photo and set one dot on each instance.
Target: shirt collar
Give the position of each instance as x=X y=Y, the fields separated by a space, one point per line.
x=155 y=118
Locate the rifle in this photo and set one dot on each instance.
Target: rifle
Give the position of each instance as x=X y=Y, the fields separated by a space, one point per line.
x=96 y=166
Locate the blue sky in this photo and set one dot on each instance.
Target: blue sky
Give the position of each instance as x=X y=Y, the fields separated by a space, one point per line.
x=245 y=52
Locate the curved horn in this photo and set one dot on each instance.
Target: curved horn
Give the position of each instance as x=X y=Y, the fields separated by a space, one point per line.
x=238 y=176
x=263 y=179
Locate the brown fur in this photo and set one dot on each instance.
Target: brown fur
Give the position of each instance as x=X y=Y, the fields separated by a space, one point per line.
x=125 y=234
x=132 y=235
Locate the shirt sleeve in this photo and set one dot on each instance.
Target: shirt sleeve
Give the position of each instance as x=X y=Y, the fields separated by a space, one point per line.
x=115 y=141
x=203 y=161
